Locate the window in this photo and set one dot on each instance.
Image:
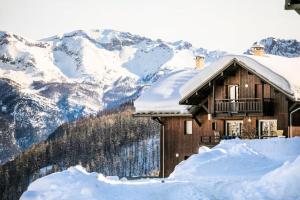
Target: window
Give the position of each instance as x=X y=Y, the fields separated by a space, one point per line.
x=233 y=92
x=234 y=128
x=213 y=126
x=267 y=128
x=188 y=127
x=233 y=96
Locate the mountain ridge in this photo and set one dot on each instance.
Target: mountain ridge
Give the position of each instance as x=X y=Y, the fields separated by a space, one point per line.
x=65 y=77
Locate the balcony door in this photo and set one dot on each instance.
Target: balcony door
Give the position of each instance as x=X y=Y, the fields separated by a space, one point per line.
x=234 y=128
x=233 y=95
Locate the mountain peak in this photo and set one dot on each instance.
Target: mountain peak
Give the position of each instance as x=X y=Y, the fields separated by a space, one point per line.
x=67 y=76
x=8 y=37
x=104 y=37
x=281 y=47
x=180 y=44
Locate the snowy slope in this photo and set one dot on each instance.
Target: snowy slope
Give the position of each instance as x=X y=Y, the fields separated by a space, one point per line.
x=82 y=72
x=106 y=58
x=234 y=169
x=79 y=73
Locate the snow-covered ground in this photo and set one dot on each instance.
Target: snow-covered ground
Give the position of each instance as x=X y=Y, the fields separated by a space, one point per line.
x=234 y=169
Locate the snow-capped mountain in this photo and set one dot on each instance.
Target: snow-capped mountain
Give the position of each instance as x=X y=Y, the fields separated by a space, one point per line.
x=62 y=78
x=45 y=83
x=280 y=47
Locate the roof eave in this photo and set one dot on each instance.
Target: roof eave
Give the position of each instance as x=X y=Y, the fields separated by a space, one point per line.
x=144 y=114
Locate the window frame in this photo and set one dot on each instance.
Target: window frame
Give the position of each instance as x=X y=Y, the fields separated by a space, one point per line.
x=269 y=130
x=236 y=92
x=240 y=122
x=188 y=125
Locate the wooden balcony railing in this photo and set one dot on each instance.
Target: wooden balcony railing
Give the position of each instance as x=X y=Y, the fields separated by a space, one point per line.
x=248 y=105
x=213 y=140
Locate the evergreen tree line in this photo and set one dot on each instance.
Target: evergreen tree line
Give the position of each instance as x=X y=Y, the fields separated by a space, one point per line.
x=112 y=143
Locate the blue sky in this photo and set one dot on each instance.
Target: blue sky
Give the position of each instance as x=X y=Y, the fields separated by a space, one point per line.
x=231 y=25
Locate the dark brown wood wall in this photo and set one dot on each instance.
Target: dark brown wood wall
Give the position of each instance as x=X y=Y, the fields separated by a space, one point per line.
x=241 y=78
x=176 y=142
x=185 y=145
x=254 y=90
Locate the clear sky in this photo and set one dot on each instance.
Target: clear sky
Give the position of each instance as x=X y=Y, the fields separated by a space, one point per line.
x=231 y=25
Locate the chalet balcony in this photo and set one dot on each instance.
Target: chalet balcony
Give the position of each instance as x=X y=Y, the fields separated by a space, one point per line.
x=212 y=141
x=245 y=105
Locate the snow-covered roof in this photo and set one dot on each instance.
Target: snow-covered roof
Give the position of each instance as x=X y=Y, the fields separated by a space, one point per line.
x=163 y=96
x=279 y=71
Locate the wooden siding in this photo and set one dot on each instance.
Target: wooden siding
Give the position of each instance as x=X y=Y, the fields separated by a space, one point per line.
x=176 y=142
x=185 y=145
x=296 y=131
x=254 y=90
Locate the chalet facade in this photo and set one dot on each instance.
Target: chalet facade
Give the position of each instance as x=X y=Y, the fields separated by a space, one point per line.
x=237 y=96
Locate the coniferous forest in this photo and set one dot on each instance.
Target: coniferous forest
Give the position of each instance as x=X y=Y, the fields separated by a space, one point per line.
x=112 y=143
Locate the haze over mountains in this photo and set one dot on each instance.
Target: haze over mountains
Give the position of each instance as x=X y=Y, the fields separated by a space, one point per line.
x=45 y=83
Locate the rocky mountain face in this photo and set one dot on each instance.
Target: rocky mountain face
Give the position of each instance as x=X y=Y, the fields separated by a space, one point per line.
x=25 y=118
x=280 y=47
x=62 y=78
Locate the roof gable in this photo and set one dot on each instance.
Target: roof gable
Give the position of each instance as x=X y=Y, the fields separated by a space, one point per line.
x=165 y=96
x=275 y=70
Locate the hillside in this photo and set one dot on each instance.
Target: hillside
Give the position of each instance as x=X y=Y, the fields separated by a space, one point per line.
x=70 y=78
x=65 y=77
x=113 y=143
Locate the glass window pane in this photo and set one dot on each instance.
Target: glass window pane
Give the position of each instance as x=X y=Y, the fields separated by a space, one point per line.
x=234 y=128
x=268 y=127
x=188 y=127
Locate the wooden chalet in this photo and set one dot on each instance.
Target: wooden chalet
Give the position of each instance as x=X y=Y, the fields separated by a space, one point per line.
x=245 y=96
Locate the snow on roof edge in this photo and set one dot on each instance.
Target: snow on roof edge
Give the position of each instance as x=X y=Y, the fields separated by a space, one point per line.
x=223 y=63
x=164 y=96
x=180 y=84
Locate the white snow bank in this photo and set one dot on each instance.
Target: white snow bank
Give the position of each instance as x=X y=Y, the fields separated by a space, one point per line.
x=235 y=158
x=281 y=183
x=164 y=95
x=278 y=149
x=234 y=169
x=280 y=71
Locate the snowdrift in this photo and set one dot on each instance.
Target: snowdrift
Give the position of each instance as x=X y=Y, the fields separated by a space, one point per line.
x=234 y=169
